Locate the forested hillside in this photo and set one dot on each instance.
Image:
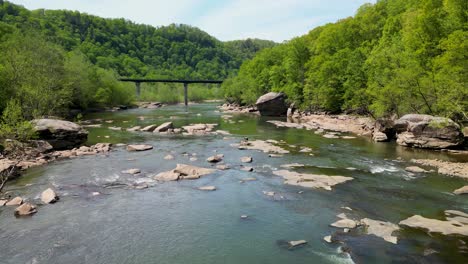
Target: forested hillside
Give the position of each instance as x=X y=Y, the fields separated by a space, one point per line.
x=392 y=57
x=54 y=60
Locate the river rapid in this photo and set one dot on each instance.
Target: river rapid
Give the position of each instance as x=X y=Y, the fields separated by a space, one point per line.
x=100 y=219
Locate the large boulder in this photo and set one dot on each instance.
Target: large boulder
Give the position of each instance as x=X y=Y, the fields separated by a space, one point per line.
x=59 y=133
x=425 y=131
x=272 y=104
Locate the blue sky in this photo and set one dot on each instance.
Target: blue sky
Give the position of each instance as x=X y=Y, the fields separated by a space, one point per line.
x=276 y=20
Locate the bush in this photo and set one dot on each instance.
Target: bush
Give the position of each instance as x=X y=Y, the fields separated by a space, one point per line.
x=13 y=125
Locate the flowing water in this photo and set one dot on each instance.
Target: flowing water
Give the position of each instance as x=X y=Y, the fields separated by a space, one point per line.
x=174 y=222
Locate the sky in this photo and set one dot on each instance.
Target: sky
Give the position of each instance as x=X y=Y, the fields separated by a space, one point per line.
x=277 y=20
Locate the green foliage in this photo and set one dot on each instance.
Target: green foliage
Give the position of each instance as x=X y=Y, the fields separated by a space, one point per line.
x=13 y=125
x=392 y=57
x=136 y=50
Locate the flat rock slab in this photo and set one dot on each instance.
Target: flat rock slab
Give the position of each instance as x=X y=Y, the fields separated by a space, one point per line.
x=264 y=146
x=139 y=147
x=311 y=180
x=3 y=202
x=49 y=196
x=189 y=171
x=381 y=229
x=345 y=223
x=415 y=169
x=207 y=188
x=462 y=190
x=131 y=171
x=458 y=169
x=449 y=227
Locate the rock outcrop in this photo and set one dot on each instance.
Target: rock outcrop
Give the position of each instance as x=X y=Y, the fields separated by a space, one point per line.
x=59 y=133
x=425 y=131
x=272 y=104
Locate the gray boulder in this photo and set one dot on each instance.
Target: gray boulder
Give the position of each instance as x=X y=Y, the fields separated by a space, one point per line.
x=425 y=131
x=59 y=133
x=272 y=104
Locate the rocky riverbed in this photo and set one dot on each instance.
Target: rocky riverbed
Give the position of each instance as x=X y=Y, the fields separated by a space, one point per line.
x=253 y=192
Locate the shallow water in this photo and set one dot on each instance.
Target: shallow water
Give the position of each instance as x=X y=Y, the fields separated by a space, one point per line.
x=176 y=223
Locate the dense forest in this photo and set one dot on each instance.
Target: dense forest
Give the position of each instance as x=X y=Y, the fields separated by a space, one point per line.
x=392 y=57
x=56 y=60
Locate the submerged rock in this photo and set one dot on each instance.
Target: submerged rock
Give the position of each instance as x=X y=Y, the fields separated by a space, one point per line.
x=425 y=131
x=246 y=159
x=25 y=209
x=207 y=188
x=131 y=171
x=272 y=104
x=59 y=133
x=139 y=147
x=297 y=243
x=222 y=167
x=49 y=196
x=311 y=180
x=169 y=157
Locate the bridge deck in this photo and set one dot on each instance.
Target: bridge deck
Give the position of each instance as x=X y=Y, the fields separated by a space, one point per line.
x=136 y=80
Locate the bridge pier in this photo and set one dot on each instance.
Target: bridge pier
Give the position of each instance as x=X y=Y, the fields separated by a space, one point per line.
x=186 y=94
x=138 y=89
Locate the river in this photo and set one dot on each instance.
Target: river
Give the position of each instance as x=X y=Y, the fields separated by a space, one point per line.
x=174 y=222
